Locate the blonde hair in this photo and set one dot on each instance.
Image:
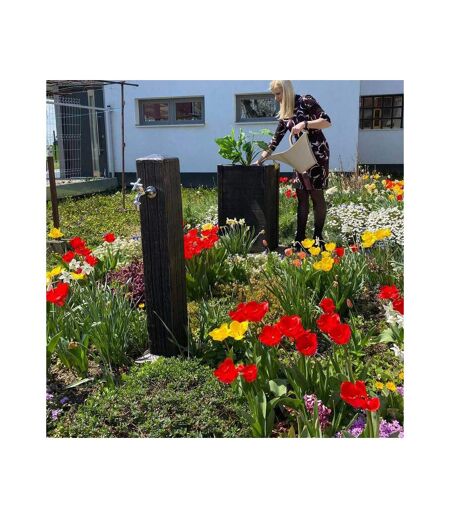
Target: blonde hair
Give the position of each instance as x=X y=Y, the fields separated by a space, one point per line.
x=288 y=102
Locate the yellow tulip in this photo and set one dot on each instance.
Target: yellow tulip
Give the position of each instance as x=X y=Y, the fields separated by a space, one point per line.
x=369 y=242
x=327 y=264
x=382 y=233
x=55 y=233
x=325 y=254
x=308 y=243
x=207 y=226
x=238 y=329
x=379 y=385
x=376 y=176
x=77 y=276
x=391 y=386
x=220 y=333
x=391 y=197
x=317 y=265
x=365 y=177
x=329 y=247
x=314 y=250
x=401 y=375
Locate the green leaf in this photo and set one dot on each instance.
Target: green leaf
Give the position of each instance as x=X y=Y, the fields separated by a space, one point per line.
x=278 y=387
x=51 y=346
x=77 y=383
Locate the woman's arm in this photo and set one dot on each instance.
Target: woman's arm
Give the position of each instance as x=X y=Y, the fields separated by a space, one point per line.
x=316 y=124
x=276 y=139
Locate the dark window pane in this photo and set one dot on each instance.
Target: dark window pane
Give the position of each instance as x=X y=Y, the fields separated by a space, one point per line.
x=397 y=112
x=367 y=124
x=368 y=102
x=376 y=123
x=155 y=111
x=398 y=100
x=188 y=110
x=258 y=107
x=367 y=114
x=386 y=123
x=387 y=113
x=396 y=123
x=387 y=101
x=377 y=102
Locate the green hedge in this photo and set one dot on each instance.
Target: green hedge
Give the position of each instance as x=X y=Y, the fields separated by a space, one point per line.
x=168 y=398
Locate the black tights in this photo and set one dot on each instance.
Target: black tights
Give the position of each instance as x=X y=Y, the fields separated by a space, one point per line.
x=320 y=212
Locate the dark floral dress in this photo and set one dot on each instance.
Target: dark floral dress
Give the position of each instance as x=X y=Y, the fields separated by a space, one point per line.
x=307 y=109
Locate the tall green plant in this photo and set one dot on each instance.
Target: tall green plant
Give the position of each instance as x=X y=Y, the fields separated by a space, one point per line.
x=242 y=150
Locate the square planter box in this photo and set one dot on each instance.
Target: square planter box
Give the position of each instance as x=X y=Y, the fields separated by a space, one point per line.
x=252 y=193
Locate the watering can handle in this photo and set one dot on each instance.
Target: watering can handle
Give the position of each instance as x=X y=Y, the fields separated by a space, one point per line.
x=291 y=136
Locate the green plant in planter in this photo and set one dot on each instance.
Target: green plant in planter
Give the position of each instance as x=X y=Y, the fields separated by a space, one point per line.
x=242 y=150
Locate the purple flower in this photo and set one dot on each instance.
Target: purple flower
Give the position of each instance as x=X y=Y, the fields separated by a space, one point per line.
x=322 y=410
x=387 y=429
x=48 y=396
x=64 y=400
x=55 y=414
x=400 y=390
x=357 y=428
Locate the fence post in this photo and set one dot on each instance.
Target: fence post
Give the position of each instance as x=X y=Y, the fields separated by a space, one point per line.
x=163 y=253
x=53 y=194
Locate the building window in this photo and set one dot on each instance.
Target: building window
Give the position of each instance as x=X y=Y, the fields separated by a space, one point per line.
x=256 y=108
x=381 y=112
x=160 y=112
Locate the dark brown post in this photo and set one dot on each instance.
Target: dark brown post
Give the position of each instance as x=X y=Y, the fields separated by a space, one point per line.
x=163 y=252
x=53 y=194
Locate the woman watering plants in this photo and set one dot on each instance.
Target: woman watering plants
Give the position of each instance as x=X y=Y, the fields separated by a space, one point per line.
x=300 y=113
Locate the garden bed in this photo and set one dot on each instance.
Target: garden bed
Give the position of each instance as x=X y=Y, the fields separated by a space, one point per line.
x=281 y=344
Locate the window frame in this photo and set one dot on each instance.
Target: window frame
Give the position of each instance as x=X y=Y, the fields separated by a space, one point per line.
x=171 y=101
x=379 y=111
x=239 y=97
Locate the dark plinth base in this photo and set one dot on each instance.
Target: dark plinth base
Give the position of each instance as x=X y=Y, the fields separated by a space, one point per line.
x=250 y=192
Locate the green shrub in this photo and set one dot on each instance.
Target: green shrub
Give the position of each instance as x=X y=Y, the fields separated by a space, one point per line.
x=167 y=398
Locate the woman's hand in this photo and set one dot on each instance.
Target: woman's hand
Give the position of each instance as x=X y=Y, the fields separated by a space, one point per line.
x=298 y=128
x=261 y=159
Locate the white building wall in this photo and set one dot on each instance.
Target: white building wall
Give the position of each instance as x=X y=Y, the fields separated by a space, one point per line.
x=194 y=145
x=381 y=146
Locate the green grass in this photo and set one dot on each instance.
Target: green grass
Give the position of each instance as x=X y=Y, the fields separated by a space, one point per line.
x=167 y=398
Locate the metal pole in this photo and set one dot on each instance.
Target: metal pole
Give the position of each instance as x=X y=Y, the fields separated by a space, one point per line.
x=53 y=195
x=123 y=148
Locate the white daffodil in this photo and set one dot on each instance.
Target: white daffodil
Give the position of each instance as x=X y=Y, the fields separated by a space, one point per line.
x=66 y=277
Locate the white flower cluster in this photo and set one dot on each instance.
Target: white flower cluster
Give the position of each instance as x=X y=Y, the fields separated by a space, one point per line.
x=354 y=218
x=392 y=317
x=128 y=248
x=211 y=215
x=234 y=221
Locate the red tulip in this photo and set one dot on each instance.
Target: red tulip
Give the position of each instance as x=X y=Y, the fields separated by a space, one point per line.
x=270 y=336
x=250 y=372
x=306 y=343
x=251 y=311
x=91 y=260
x=388 y=292
x=355 y=394
x=58 y=294
x=341 y=334
x=109 y=238
x=340 y=251
x=327 y=305
x=398 y=305
x=226 y=372
x=290 y=326
x=77 y=242
x=68 y=256
x=328 y=321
